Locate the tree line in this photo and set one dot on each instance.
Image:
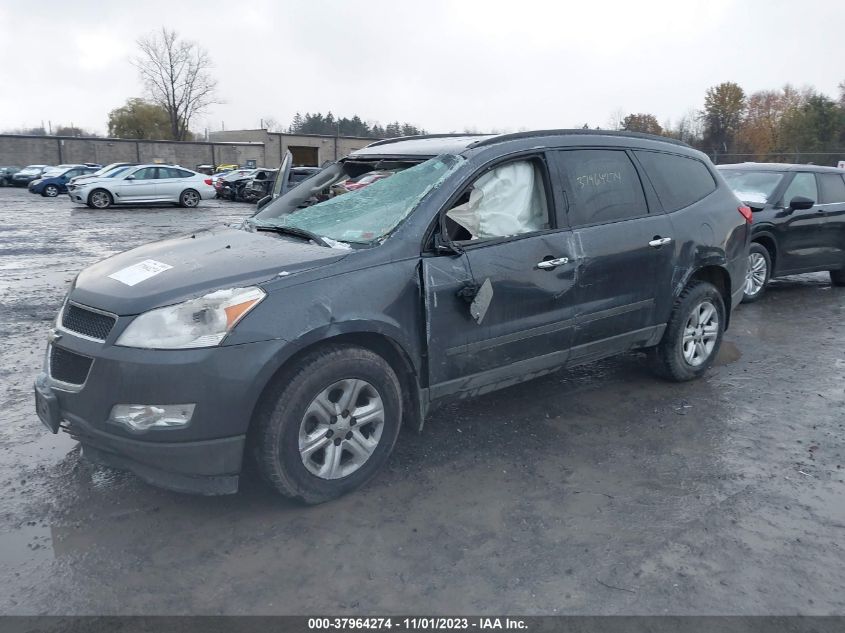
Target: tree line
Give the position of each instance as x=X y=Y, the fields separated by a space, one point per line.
x=783 y=125
x=328 y=124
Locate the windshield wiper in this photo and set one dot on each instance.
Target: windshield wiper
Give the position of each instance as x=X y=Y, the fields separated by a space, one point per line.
x=292 y=230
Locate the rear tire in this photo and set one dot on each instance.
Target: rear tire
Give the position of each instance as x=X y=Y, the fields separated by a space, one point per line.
x=693 y=335
x=100 y=199
x=310 y=420
x=189 y=199
x=758 y=273
x=837 y=277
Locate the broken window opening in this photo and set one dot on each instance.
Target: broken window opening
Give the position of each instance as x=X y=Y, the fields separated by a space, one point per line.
x=324 y=206
x=507 y=200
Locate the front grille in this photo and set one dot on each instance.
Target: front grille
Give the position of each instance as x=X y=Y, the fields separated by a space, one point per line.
x=69 y=367
x=87 y=322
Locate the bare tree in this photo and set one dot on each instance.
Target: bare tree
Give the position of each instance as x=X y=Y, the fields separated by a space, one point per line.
x=176 y=75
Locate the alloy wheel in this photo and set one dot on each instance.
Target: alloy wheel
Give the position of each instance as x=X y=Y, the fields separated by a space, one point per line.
x=700 y=333
x=51 y=191
x=190 y=198
x=755 y=275
x=100 y=199
x=341 y=428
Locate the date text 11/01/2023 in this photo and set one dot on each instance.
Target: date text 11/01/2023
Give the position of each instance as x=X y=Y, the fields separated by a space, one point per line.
x=416 y=624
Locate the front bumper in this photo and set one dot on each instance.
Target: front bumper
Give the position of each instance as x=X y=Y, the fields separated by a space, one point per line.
x=203 y=457
x=209 y=467
x=78 y=194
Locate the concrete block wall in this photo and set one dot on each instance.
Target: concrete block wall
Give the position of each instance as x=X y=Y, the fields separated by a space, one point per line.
x=23 y=150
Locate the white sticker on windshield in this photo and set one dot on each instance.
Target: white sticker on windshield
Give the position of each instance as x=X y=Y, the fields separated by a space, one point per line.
x=139 y=272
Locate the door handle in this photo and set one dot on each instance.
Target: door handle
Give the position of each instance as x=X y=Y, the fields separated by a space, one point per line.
x=658 y=241
x=548 y=264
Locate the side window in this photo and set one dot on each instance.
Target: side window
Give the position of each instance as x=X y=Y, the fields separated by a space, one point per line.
x=678 y=180
x=72 y=173
x=509 y=199
x=173 y=172
x=147 y=173
x=602 y=185
x=832 y=188
x=803 y=184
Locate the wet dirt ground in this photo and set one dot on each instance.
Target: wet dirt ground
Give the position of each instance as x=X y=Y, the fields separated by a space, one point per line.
x=598 y=490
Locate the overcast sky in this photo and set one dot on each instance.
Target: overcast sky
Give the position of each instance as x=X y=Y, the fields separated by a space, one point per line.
x=440 y=65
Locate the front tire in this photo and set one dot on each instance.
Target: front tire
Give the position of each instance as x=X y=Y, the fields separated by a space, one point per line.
x=50 y=191
x=693 y=335
x=100 y=199
x=757 y=274
x=330 y=426
x=189 y=199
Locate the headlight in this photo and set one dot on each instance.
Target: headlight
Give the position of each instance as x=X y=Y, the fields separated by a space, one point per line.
x=202 y=322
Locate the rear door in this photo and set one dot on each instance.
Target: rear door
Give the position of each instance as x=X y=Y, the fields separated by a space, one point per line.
x=803 y=243
x=624 y=250
x=170 y=183
x=832 y=199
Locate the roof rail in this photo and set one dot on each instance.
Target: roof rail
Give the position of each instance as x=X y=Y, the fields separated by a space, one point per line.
x=386 y=141
x=518 y=135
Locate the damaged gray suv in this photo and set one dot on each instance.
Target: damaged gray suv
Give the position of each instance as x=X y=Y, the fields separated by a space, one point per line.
x=348 y=306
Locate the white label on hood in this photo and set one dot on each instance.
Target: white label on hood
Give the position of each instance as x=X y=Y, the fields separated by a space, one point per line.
x=139 y=272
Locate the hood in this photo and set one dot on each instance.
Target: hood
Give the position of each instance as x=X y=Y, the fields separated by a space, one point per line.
x=192 y=265
x=84 y=180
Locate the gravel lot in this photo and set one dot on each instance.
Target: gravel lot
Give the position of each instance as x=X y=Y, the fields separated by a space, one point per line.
x=599 y=490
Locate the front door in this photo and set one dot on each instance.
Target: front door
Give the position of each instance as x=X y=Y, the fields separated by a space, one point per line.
x=138 y=186
x=502 y=310
x=624 y=251
x=802 y=241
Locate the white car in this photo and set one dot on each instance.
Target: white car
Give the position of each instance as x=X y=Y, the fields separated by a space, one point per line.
x=144 y=184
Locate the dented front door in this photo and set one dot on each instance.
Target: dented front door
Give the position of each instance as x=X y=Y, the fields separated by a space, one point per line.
x=500 y=310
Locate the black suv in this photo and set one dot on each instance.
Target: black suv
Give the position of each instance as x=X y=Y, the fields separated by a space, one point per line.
x=799 y=220
x=305 y=338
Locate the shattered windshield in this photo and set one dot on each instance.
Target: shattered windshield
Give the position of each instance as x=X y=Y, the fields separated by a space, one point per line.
x=364 y=215
x=752 y=187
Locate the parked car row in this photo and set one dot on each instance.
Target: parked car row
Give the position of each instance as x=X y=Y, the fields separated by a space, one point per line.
x=21 y=177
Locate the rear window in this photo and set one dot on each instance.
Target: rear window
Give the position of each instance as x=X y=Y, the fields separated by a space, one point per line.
x=678 y=180
x=831 y=188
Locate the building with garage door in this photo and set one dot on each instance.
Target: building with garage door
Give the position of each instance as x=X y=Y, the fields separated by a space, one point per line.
x=308 y=150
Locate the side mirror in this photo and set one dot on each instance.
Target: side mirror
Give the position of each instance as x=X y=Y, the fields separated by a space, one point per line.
x=800 y=203
x=130 y=177
x=262 y=203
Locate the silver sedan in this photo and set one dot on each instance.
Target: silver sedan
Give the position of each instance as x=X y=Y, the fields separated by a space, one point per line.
x=144 y=184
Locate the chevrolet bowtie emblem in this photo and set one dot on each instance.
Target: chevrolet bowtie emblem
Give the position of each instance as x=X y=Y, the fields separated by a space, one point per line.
x=53 y=335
